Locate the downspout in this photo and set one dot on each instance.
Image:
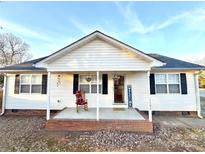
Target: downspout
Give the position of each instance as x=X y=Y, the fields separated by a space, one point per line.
x=4 y=95
x=198 y=102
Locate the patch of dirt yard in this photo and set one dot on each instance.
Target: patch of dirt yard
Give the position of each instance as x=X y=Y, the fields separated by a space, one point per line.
x=18 y=133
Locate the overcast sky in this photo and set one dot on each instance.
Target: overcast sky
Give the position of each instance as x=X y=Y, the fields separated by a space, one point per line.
x=175 y=29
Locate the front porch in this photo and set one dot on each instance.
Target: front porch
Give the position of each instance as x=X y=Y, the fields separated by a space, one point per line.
x=104 y=114
x=112 y=99
x=121 y=119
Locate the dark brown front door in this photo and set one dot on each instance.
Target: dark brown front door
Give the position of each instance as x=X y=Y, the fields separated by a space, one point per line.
x=119 y=90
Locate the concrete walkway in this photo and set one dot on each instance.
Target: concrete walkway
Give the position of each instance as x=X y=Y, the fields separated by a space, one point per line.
x=173 y=121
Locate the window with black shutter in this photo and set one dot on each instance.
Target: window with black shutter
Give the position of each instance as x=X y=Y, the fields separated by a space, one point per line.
x=104 y=84
x=17 y=84
x=183 y=83
x=75 y=83
x=44 y=84
x=152 y=84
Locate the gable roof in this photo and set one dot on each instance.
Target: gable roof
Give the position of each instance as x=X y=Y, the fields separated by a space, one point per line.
x=169 y=63
x=98 y=34
x=175 y=64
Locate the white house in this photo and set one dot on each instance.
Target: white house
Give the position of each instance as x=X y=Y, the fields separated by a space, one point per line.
x=121 y=77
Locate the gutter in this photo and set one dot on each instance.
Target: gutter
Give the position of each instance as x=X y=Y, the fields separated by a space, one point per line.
x=4 y=95
x=177 y=69
x=14 y=71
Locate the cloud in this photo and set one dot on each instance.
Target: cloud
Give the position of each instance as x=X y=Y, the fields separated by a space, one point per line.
x=191 y=19
x=39 y=42
x=23 y=31
x=85 y=29
x=132 y=20
x=169 y=22
x=80 y=26
x=104 y=26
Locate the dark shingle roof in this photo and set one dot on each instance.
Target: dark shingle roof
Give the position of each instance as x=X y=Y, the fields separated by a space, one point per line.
x=172 y=63
x=26 y=66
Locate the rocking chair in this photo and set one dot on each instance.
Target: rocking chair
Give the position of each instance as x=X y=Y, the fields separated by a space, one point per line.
x=81 y=101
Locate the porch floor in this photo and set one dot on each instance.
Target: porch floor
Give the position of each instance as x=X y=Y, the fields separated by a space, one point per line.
x=104 y=114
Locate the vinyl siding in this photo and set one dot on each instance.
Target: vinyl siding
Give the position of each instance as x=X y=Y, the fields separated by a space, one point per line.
x=176 y=102
x=140 y=89
x=62 y=95
x=64 y=92
x=98 y=55
x=23 y=101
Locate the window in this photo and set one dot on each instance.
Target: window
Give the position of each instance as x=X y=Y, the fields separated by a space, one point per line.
x=36 y=83
x=85 y=88
x=25 y=84
x=161 y=83
x=30 y=83
x=167 y=83
x=94 y=88
x=174 y=83
x=89 y=87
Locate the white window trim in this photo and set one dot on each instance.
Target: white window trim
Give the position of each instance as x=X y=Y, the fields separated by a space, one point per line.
x=90 y=83
x=30 y=84
x=167 y=83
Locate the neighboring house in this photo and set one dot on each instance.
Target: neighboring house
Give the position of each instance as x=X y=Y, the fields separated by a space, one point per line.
x=126 y=77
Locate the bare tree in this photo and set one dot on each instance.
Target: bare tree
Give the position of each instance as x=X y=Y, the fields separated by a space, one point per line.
x=13 y=50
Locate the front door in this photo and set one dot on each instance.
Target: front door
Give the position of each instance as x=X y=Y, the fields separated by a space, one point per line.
x=119 y=90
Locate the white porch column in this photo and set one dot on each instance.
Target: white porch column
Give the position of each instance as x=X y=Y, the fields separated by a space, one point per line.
x=149 y=103
x=198 y=103
x=48 y=96
x=97 y=95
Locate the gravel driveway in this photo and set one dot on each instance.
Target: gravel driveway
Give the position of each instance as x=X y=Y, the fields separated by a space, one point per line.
x=18 y=133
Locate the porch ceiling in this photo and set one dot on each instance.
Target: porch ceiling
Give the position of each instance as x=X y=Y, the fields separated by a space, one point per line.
x=104 y=114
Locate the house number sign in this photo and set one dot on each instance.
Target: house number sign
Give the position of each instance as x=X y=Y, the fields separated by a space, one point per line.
x=129 y=91
x=58 y=80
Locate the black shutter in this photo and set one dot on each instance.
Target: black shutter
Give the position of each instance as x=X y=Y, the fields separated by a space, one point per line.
x=17 y=84
x=152 y=84
x=44 y=84
x=183 y=83
x=104 y=84
x=75 y=83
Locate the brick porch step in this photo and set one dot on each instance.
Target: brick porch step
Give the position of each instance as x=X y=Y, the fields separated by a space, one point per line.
x=92 y=125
